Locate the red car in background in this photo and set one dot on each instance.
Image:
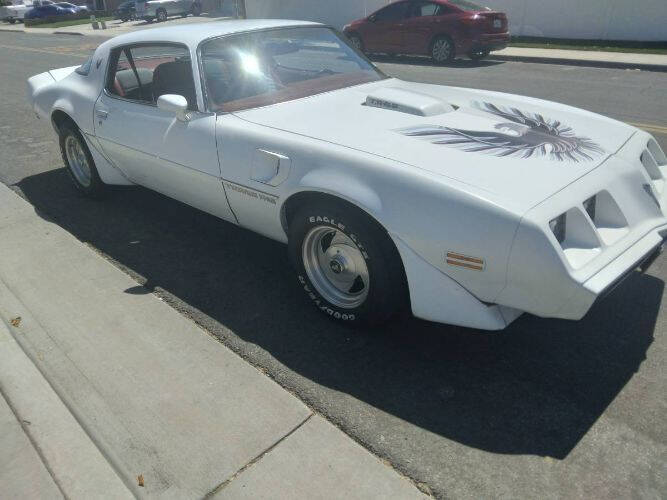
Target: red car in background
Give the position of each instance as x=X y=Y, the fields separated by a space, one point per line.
x=442 y=29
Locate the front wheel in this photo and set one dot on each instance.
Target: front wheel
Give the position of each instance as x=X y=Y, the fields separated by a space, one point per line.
x=196 y=9
x=161 y=15
x=346 y=264
x=11 y=21
x=79 y=162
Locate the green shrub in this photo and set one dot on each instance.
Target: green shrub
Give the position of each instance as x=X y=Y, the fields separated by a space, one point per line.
x=56 y=19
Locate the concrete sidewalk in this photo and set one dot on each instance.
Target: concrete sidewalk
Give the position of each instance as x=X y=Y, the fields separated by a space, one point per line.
x=651 y=62
x=107 y=392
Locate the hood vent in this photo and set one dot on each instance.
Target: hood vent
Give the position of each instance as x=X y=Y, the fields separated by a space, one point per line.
x=407 y=101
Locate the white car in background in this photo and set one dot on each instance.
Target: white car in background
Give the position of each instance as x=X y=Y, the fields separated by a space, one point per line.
x=160 y=10
x=15 y=12
x=464 y=206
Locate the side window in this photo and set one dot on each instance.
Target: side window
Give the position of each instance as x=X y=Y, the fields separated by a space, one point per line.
x=426 y=9
x=143 y=73
x=393 y=12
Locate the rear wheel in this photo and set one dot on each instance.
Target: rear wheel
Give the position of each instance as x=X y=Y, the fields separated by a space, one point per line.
x=196 y=9
x=11 y=21
x=346 y=264
x=79 y=162
x=478 y=55
x=161 y=15
x=442 y=50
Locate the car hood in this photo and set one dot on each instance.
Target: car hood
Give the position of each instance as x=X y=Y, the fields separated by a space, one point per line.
x=513 y=149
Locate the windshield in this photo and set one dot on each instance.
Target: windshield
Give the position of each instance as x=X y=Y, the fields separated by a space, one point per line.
x=469 y=6
x=267 y=67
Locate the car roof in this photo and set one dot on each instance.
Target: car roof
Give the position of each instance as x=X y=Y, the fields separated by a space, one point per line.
x=193 y=34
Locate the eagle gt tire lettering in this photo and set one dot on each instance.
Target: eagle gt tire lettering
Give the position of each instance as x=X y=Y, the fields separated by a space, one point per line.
x=346 y=264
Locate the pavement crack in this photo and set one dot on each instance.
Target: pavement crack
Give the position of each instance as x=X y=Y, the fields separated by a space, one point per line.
x=252 y=462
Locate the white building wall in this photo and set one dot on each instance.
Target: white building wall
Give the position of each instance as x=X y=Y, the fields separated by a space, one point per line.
x=333 y=12
x=643 y=20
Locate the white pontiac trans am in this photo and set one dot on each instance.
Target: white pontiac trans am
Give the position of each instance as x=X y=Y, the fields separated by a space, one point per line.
x=462 y=206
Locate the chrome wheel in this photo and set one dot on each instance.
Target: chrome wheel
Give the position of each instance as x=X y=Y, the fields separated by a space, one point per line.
x=161 y=16
x=442 y=50
x=77 y=160
x=336 y=267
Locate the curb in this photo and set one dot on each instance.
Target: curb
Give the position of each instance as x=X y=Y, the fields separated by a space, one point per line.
x=74 y=461
x=580 y=62
x=7 y=30
x=67 y=33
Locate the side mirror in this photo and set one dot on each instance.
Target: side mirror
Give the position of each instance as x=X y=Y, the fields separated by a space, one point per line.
x=176 y=104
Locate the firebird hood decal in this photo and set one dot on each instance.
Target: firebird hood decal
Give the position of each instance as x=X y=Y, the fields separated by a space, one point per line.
x=498 y=171
x=524 y=136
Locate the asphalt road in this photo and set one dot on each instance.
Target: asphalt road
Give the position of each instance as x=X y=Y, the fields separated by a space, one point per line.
x=546 y=408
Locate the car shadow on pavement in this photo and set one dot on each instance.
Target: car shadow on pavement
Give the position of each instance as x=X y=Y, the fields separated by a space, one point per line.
x=535 y=388
x=427 y=61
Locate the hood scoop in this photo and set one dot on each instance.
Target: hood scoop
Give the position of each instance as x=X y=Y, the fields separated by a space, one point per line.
x=407 y=101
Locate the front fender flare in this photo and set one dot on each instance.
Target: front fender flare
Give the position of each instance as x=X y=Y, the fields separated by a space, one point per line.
x=353 y=190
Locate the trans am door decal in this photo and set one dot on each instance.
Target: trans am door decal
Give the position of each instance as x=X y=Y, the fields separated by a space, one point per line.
x=524 y=136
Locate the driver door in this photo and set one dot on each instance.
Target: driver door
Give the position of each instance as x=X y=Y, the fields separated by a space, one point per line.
x=151 y=146
x=382 y=32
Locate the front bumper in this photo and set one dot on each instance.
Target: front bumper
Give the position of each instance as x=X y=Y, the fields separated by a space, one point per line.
x=563 y=280
x=642 y=254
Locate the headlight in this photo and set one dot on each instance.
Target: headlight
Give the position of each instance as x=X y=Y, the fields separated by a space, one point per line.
x=557 y=227
x=589 y=206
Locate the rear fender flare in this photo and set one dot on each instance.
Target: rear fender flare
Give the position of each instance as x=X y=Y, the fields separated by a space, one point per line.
x=64 y=106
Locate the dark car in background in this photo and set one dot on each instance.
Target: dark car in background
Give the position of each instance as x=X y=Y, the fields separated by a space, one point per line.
x=47 y=8
x=125 y=11
x=442 y=29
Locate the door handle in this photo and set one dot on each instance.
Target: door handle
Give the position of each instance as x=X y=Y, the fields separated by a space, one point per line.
x=101 y=113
